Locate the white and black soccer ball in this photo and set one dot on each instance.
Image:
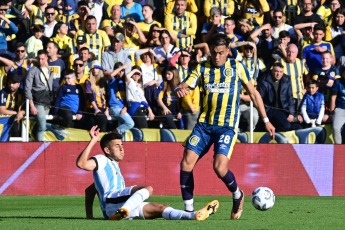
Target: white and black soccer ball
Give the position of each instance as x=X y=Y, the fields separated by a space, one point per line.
x=263 y=198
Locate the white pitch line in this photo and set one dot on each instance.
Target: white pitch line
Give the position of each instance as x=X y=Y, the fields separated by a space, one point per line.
x=22 y=168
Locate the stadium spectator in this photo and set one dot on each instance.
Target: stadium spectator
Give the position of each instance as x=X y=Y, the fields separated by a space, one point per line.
x=226 y=7
x=283 y=42
x=81 y=75
x=306 y=14
x=50 y=21
x=148 y=20
x=38 y=89
x=191 y=7
x=276 y=92
x=36 y=12
x=117 y=98
x=115 y=23
x=213 y=27
x=138 y=107
x=134 y=37
x=168 y=100
x=12 y=100
x=258 y=12
x=81 y=47
x=334 y=32
x=96 y=10
x=186 y=27
x=313 y=105
x=229 y=27
x=4 y=32
x=291 y=9
x=56 y=65
x=7 y=65
x=69 y=100
x=96 y=88
x=34 y=43
x=326 y=75
x=64 y=42
x=337 y=107
x=116 y=54
x=132 y=9
x=311 y=53
x=153 y=36
x=97 y=40
x=245 y=28
x=327 y=10
x=133 y=205
x=298 y=72
x=79 y=23
x=279 y=25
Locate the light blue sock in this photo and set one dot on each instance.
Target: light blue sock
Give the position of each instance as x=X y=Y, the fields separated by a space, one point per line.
x=174 y=214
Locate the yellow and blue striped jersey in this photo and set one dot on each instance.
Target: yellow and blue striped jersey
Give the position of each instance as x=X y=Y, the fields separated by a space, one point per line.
x=186 y=23
x=114 y=25
x=36 y=13
x=326 y=13
x=131 y=44
x=98 y=96
x=296 y=71
x=97 y=42
x=145 y=27
x=221 y=87
x=182 y=72
x=226 y=6
x=66 y=19
x=22 y=69
x=191 y=6
x=291 y=10
x=250 y=12
x=249 y=63
x=76 y=25
x=11 y=102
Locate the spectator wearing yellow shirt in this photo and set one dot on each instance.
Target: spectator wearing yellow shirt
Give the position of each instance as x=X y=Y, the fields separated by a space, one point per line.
x=326 y=11
x=115 y=24
x=146 y=24
x=134 y=37
x=97 y=40
x=36 y=12
x=258 y=11
x=170 y=7
x=182 y=23
x=79 y=23
x=64 y=42
x=227 y=7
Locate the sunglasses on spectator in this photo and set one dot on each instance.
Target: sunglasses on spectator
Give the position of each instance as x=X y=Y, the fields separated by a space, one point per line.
x=80 y=65
x=50 y=14
x=248 y=48
x=20 y=51
x=275 y=17
x=3 y=9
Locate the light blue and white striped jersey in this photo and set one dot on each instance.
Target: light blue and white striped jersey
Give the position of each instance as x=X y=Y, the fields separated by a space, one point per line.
x=108 y=178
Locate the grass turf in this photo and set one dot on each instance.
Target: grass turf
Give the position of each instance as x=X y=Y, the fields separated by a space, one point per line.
x=67 y=212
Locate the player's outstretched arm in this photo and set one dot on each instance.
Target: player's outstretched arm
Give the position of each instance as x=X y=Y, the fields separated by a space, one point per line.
x=90 y=193
x=258 y=103
x=83 y=160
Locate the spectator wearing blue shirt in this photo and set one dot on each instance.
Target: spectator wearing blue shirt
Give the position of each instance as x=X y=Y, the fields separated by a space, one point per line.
x=213 y=27
x=56 y=65
x=337 y=107
x=132 y=9
x=69 y=100
x=4 y=32
x=313 y=105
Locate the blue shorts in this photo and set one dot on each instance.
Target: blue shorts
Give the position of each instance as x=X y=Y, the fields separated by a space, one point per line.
x=204 y=135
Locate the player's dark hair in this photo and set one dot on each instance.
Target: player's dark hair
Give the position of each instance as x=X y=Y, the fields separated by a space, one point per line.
x=218 y=40
x=108 y=138
x=312 y=82
x=54 y=43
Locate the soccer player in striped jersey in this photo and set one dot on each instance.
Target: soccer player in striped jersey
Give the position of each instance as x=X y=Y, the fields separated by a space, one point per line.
x=118 y=201
x=220 y=79
x=182 y=23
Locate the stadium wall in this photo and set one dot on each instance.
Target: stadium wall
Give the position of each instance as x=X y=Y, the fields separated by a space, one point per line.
x=50 y=169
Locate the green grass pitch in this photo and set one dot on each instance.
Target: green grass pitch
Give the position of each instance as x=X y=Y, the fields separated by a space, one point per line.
x=67 y=212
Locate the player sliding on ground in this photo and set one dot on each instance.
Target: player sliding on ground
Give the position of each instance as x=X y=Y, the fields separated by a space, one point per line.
x=118 y=201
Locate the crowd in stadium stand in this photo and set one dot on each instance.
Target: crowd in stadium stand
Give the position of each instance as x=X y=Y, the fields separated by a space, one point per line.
x=116 y=63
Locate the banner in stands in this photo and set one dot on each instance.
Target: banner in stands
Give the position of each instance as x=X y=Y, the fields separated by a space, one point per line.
x=317 y=135
x=50 y=168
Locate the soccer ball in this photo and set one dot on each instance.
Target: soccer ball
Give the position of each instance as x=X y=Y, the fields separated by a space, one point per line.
x=263 y=198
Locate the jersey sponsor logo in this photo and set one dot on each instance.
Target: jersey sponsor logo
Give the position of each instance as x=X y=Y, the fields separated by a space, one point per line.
x=228 y=72
x=223 y=146
x=194 y=140
x=251 y=10
x=218 y=87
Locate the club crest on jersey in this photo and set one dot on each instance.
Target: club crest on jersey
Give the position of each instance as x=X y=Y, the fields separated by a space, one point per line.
x=228 y=72
x=332 y=74
x=193 y=140
x=185 y=24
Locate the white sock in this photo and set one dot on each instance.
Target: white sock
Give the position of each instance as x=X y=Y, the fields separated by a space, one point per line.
x=136 y=199
x=174 y=214
x=189 y=205
x=236 y=194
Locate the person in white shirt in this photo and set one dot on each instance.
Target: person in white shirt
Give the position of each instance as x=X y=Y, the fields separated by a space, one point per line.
x=50 y=21
x=279 y=25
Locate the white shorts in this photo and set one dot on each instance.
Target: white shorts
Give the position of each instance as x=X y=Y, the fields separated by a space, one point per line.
x=111 y=208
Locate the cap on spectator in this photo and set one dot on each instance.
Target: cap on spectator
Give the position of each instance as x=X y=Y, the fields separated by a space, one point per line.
x=81 y=39
x=14 y=77
x=96 y=64
x=38 y=22
x=119 y=37
x=70 y=3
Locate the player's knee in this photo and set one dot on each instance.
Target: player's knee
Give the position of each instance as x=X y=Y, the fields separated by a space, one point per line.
x=220 y=169
x=150 y=189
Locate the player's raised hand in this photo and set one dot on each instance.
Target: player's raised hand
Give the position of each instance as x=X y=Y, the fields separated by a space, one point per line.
x=270 y=128
x=180 y=92
x=94 y=133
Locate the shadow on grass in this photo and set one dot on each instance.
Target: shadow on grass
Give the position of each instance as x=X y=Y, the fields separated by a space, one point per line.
x=47 y=217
